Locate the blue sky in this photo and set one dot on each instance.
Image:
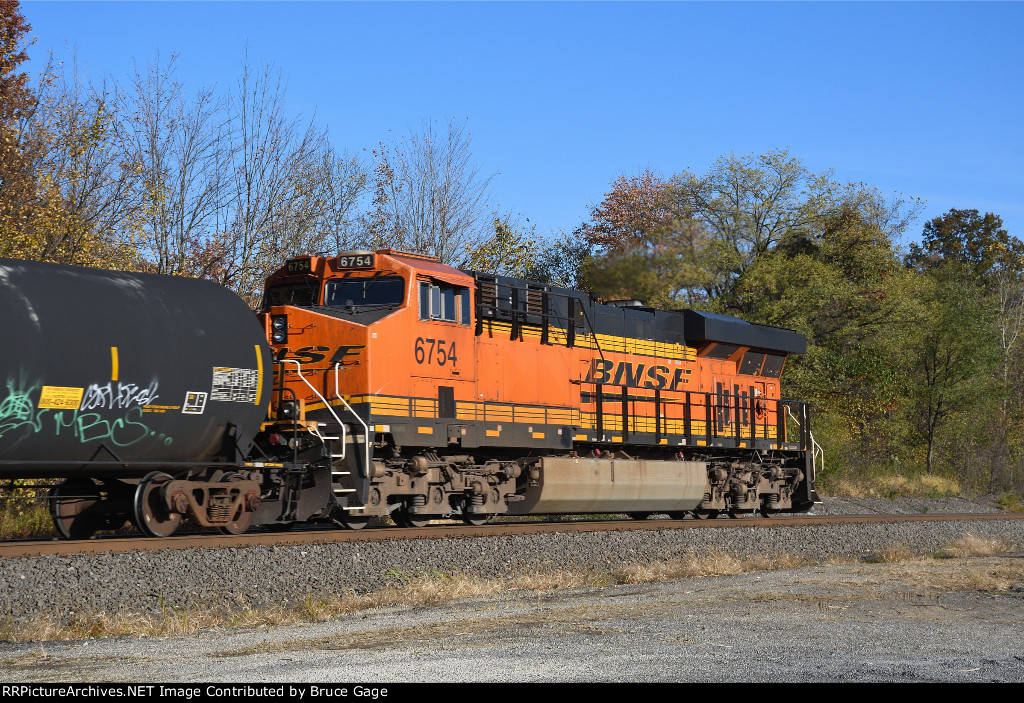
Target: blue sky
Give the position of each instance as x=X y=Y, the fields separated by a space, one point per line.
x=923 y=99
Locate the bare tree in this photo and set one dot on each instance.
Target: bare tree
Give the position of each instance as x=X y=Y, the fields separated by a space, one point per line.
x=289 y=192
x=85 y=183
x=345 y=182
x=429 y=195
x=180 y=151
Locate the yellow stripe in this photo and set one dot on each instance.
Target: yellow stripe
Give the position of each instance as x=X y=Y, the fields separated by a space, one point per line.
x=113 y=364
x=493 y=433
x=609 y=343
x=259 y=374
x=425 y=430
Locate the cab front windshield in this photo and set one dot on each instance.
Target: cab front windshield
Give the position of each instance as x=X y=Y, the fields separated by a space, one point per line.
x=389 y=290
x=298 y=294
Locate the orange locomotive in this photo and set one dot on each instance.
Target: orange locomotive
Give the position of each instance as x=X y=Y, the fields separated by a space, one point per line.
x=403 y=386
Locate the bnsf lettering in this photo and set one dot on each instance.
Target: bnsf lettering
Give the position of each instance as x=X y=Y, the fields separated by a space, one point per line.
x=625 y=373
x=313 y=355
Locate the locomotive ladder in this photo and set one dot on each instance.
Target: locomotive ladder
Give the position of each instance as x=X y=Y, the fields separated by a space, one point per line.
x=817 y=452
x=329 y=440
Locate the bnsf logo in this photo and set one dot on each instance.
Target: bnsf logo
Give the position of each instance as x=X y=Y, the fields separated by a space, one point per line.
x=624 y=373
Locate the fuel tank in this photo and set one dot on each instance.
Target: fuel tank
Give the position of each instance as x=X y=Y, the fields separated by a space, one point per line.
x=105 y=366
x=590 y=485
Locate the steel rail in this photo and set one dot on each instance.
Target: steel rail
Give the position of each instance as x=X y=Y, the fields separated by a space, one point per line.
x=120 y=544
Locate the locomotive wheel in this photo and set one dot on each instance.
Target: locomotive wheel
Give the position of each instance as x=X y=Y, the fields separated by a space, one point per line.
x=677 y=515
x=404 y=518
x=150 y=513
x=278 y=526
x=638 y=516
x=706 y=514
x=767 y=512
x=476 y=519
x=70 y=507
x=242 y=518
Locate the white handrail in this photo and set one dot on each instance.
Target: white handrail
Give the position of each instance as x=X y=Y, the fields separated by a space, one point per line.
x=816 y=449
x=298 y=369
x=366 y=428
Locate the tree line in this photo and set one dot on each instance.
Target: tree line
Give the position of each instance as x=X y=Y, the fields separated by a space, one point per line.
x=914 y=353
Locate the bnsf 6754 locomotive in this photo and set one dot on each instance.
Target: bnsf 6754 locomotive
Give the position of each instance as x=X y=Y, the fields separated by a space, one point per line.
x=387 y=383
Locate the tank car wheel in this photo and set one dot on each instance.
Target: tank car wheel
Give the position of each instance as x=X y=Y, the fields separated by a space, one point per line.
x=767 y=512
x=242 y=518
x=150 y=513
x=70 y=505
x=677 y=515
x=706 y=514
x=638 y=516
x=476 y=519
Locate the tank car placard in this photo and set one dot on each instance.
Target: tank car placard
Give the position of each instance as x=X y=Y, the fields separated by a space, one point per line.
x=235 y=385
x=60 y=397
x=195 y=403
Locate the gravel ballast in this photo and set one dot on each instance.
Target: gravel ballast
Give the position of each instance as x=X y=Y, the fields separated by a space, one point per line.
x=66 y=587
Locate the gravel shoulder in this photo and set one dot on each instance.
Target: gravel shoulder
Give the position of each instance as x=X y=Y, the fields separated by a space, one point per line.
x=920 y=620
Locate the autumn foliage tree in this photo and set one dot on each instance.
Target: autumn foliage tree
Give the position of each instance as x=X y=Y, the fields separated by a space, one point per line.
x=18 y=149
x=635 y=207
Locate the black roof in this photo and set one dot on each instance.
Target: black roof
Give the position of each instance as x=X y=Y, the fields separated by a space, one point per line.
x=691 y=327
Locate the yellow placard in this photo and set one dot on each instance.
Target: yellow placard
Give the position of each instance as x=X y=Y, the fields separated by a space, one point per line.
x=60 y=397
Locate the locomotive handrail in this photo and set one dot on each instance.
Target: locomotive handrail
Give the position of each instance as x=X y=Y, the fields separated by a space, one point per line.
x=816 y=449
x=298 y=370
x=366 y=427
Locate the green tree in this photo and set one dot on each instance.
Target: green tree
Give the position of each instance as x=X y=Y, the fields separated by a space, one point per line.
x=562 y=261
x=977 y=243
x=511 y=250
x=954 y=358
x=967 y=250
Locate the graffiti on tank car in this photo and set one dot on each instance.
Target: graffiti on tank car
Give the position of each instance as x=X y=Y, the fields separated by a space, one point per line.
x=121 y=395
x=123 y=431
x=20 y=417
x=18 y=410
x=625 y=373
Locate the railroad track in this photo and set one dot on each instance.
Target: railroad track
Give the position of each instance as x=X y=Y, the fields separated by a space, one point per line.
x=129 y=543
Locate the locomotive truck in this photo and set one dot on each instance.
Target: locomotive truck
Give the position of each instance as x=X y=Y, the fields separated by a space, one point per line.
x=385 y=383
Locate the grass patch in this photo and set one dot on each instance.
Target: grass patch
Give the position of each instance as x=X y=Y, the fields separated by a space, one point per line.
x=892 y=486
x=432 y=588
x=26 y=519
x=891 y=554
x=1010 y=502
x=973 y=546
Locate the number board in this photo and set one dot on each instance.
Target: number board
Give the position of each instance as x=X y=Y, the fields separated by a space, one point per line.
x=355 y=261
x=298 y=266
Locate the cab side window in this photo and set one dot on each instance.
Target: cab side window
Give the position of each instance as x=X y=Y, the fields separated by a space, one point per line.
x=440 y=301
